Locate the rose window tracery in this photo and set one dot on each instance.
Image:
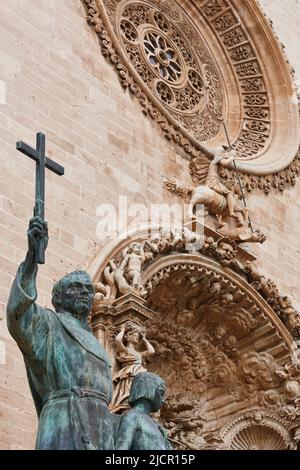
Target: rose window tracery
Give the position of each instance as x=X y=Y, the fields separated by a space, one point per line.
x=185 y=79
x=193 y=66
x=162 y=56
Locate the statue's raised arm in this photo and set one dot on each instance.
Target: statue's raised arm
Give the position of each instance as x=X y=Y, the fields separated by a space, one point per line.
x=68 y=371
x=20 y=307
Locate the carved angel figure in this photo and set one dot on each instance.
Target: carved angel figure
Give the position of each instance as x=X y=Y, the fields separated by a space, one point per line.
x=127 y=344
x=125 y=277
x=132 y=264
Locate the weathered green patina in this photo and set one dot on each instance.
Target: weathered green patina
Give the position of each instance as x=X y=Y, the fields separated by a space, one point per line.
x=137 y=430
x=68 y=370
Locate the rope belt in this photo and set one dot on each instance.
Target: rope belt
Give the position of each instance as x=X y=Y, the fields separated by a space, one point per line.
x=77 y=392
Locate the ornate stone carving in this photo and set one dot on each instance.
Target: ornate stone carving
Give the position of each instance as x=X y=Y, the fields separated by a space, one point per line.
x=216 y=197
x=110 y=300
x=208 y=330
x=241 y=233
x=219 y=200
x=266 y=183
x=184 y=422
x=257 y=430
x=174 y=71
x=132 y=348
x=281 y=304
x=217 y=343
x=124 y=276
x=162 y=57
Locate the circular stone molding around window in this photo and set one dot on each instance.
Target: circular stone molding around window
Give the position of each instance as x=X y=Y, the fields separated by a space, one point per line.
x=196 y=64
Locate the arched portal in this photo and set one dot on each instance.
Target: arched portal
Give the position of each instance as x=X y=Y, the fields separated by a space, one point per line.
x=219 y=345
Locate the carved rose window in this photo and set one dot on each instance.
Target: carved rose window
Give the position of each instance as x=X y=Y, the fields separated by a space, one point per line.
x=162 y=57
x=185 y=79
x=193 y=66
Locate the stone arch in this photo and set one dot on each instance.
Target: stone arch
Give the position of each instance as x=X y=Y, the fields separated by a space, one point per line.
x=218 y=343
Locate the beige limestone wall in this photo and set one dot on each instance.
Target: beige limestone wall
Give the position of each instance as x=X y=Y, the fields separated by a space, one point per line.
x=279 y=257
x=279 y=214
x=285 y=16
x=57 y=81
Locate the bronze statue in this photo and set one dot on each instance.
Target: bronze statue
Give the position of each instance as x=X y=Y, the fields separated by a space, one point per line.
x=137 y=430
x=68 y=370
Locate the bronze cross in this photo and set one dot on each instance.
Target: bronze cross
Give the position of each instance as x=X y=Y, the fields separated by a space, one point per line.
x=42 y=162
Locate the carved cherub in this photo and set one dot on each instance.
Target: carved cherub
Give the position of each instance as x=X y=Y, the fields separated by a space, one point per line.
x=291 y=316
x=132 y=264
x=171 y=238
x=151 y=247
x=124 y=277
x=265 y=286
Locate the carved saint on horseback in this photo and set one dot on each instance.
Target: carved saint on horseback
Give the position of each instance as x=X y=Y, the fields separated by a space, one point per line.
x=213 y=194
x=217 y=199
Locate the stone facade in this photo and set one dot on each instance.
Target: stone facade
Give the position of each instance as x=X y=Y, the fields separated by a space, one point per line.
x=282 y=16
x=54 y=79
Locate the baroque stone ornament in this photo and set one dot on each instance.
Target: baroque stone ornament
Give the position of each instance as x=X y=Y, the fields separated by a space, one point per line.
x=220 y=341
x=176 y=57
x=137 y=429
x=216 y=197
x=218 y=200
x=131 y=361
x=175 y=64
x=257 y=430
x=231 y=220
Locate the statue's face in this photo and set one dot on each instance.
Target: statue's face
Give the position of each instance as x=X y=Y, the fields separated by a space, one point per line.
x=78 y=294
x=133 y=337
x=159 y=397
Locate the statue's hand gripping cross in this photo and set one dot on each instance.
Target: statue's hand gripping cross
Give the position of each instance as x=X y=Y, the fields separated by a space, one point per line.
x=42 y=162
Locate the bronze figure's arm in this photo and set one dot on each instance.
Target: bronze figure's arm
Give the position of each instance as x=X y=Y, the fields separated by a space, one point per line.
x=23 y=292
